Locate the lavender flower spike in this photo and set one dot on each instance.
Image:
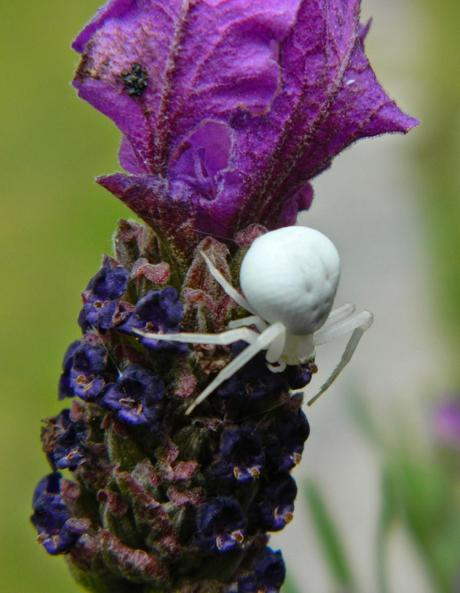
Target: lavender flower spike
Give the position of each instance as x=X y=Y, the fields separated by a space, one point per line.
x=228 y=108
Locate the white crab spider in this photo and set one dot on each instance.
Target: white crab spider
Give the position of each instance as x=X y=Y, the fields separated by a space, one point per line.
x=289 y=278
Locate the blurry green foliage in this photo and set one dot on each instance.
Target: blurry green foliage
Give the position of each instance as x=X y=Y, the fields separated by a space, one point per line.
x=290 y=587
x=331 y=545
x=55 y=224
x=419 y=490
x=438 y=160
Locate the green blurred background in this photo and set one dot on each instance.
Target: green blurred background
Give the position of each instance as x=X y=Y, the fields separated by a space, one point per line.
x=56 y=223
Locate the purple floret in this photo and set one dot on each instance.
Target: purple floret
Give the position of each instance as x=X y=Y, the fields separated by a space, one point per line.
x=241 y=455
x=101 y=307
x=267 y=575
x=69 y=442
x=298 y=376
x=220 y=525
x=159 y=311
x=136 y=397
x=57 y=531
x=84 y=371
x=253 y=382
x=276 y=507
x=286 y=441
x=65 y=389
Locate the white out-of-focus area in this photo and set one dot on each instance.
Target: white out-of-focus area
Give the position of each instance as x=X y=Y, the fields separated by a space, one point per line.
x=367 y=204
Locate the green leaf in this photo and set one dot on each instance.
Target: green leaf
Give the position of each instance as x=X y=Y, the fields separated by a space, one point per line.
x=329 y=539
x=389 y=510
x=359 y=410
x=425 y=501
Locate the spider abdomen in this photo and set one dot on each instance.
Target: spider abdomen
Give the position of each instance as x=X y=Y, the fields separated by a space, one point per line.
x=291 y=275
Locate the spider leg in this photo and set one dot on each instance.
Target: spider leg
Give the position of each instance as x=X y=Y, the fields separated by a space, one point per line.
x=228 y=337
x=342 y=327
x=227 y=287
x=262 y=342
x=251 y=320
x=338 y=314
x=358 y=324
x=278 y=368
x=276 y=348
x=274 y=352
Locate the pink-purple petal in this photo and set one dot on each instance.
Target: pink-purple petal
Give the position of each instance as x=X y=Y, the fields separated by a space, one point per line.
x=232 y=106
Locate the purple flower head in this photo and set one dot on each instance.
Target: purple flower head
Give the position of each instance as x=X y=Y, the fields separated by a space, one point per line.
x=57 y=532
x=84 y=371
x=276 y=507
x=267 y=576
x=447 y=423
x=159 y=311
x=101 y=308
x=228 y=108
x=285 y=443
x=69 y=442
x=241 y=455
x=136 y=397
x=220 y=525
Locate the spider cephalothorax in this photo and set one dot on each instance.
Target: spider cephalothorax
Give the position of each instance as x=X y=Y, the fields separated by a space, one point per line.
x=289 y=279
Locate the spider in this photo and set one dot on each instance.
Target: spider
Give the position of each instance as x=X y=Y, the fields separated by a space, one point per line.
x=289 y=279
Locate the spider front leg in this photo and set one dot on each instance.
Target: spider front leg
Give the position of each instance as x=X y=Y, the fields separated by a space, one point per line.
x=273 y=334
x=226 y=286
x=223 y=339
x=357 y=324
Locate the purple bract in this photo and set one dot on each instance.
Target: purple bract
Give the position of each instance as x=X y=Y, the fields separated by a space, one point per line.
x=228 y=108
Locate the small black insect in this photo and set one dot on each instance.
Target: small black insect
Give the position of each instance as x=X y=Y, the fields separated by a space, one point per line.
x=135 y=80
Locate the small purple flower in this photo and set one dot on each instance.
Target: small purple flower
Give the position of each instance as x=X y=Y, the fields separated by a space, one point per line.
x=285 y=443
x=65 y=389
x=84 y=371
x=447 y=423
x=101 y=307
x=241 y=455
x=276 y=507
x=159 y=311
x=253 y=382
x=68 y=442
x=136 y=397
x=267 y=575
x=57 y=532
x=220 y=525
x=228 y=126
x=298 y=376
